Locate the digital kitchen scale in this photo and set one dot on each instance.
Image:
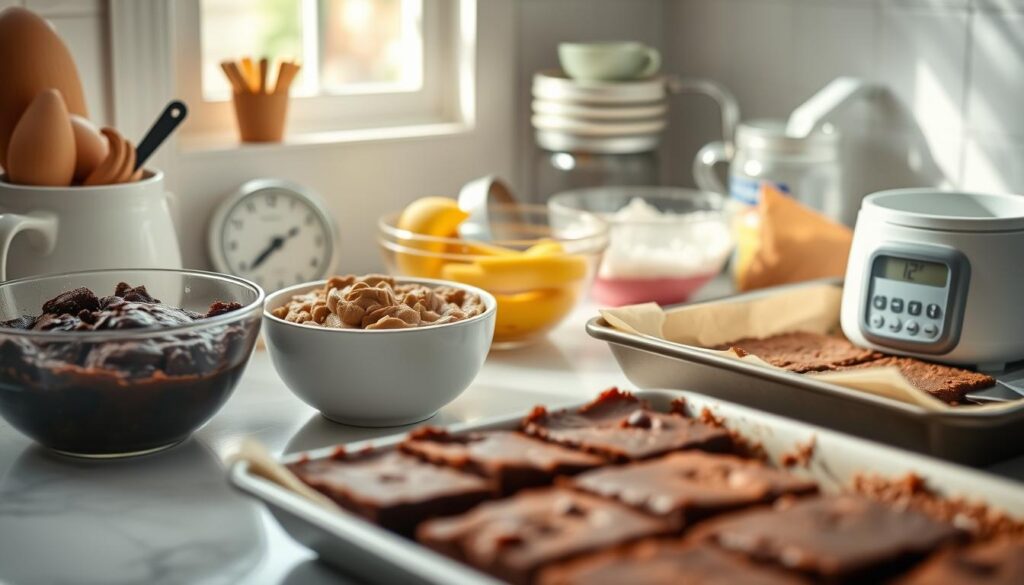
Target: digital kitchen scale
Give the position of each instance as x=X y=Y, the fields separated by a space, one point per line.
x=916 y=295
x=938 y=275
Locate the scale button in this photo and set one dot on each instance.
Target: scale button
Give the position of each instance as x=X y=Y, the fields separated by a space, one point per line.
x=896 y=305
x=879 y=302
x=914 y=308
x=877 y=321
x=912 y=327
x=895 y=325
x=933 y=311
x=931 y=330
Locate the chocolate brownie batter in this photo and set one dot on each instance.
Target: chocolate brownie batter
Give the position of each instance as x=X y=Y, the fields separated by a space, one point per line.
x=512 y=539
x=620 y=427
x=512 y=460
x=664 y=562
x=947 y=383
x=912 y=491
x=832 y=537
x=691 y=485
x=115 y=396
x=802 y=352
x=997 y=562
x=394 y=490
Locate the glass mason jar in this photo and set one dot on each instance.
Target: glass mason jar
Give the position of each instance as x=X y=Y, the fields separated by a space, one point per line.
x=568 y=169
x=807 y=169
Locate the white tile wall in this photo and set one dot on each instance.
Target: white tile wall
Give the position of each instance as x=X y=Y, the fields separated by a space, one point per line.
x=954 y=68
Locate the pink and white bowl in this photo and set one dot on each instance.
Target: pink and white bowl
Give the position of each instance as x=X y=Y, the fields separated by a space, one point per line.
x=666 y=242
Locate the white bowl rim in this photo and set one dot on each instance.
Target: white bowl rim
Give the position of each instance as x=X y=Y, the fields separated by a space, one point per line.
x=490 y=303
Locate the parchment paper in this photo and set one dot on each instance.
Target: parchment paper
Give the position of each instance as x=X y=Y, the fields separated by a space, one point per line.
x=811 y=308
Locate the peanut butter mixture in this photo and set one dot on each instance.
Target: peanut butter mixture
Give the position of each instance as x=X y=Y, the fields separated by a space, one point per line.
x=374 y=301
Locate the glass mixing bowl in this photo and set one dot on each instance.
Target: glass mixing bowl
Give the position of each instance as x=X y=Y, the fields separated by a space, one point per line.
x=666 y=242
x=538 y=266
x=128 y=391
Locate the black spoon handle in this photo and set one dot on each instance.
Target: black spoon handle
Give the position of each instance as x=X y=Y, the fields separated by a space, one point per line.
x=169 y=119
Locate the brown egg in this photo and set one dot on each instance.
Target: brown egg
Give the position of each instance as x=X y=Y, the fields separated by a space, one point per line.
x=42 y=148
x=91 y=147
x=32 y=58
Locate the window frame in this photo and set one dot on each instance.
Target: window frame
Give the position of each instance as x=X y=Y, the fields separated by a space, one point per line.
x=443 y=104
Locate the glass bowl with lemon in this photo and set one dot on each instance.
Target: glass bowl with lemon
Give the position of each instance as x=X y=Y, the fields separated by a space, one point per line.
x=537 y=262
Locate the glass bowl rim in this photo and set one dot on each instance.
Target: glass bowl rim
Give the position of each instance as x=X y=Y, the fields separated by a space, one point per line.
x=667 y=192
x=387 y=225
x=246 y=311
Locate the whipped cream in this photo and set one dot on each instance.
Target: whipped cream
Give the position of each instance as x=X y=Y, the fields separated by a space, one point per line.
x=649 y=243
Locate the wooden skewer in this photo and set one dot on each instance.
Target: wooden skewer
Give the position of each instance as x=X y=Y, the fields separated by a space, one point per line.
x=286 y=75
x=234 y=74
x=264 y=64
x=249 y=73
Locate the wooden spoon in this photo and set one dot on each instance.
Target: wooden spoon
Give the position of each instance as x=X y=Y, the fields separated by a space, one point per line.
x=33 y=58
x=42 y=147
x=91 y=147
x=112 y=169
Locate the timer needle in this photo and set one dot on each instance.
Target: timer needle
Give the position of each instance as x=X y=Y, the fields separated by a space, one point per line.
x=275 y=244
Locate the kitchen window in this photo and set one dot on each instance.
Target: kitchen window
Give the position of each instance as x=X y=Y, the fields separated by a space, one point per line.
x=370 y=68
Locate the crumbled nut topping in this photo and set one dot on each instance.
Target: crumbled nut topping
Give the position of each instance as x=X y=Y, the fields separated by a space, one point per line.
x=374 y=301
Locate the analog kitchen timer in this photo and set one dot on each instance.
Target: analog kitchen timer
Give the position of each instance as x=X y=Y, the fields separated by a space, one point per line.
x=273 y=232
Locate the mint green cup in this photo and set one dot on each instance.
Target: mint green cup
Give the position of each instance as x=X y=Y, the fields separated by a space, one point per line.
x=608 y=61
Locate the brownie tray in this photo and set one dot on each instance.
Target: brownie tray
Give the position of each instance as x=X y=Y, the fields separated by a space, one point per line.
x=976 y=438
x=376 y=555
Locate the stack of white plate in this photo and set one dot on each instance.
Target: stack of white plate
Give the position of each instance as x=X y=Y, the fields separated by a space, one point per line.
x=606 y=117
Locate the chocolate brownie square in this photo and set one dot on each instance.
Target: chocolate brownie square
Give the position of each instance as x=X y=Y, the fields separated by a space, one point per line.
x=662 y=562
x=393 y=490
x=947 y=383
x=836 y=538
x=620 y=427
x=996 y=562
x=511 y=460
x=688 y=486
x=514 y=538
x=802 y=351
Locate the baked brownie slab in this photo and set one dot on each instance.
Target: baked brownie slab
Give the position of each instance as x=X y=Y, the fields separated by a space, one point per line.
x=997 y=562
x=661 y=562
x=393 y=490
x=687 y=486
x=514 y=538
x=833 y=537
x=621 y=427
x=946 y=383
x=511 y=460
x=802 y=351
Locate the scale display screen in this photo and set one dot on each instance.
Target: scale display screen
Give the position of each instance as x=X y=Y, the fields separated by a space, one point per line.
x=915 y=271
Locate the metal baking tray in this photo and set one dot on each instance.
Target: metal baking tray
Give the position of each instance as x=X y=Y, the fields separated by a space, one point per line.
x=371 y=553
x=974 y=438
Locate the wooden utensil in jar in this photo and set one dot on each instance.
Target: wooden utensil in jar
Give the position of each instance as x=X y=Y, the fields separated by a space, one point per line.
x=32 y=59
x=260 y=111
x=91 y=147
x=119 y=166
x=42 y=146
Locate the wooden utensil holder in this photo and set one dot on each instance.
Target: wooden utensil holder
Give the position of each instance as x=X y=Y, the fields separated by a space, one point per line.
x=261 y=116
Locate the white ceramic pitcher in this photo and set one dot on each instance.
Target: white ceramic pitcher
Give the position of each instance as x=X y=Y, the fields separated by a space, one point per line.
x=62 y=229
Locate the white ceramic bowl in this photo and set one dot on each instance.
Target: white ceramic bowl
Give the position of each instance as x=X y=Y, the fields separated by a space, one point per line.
x=378 y=378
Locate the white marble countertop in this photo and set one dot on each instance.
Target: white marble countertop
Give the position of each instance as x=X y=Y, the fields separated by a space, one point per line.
x=172 y=518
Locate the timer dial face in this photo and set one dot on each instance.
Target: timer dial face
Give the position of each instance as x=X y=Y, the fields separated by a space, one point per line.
x=276 y=238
